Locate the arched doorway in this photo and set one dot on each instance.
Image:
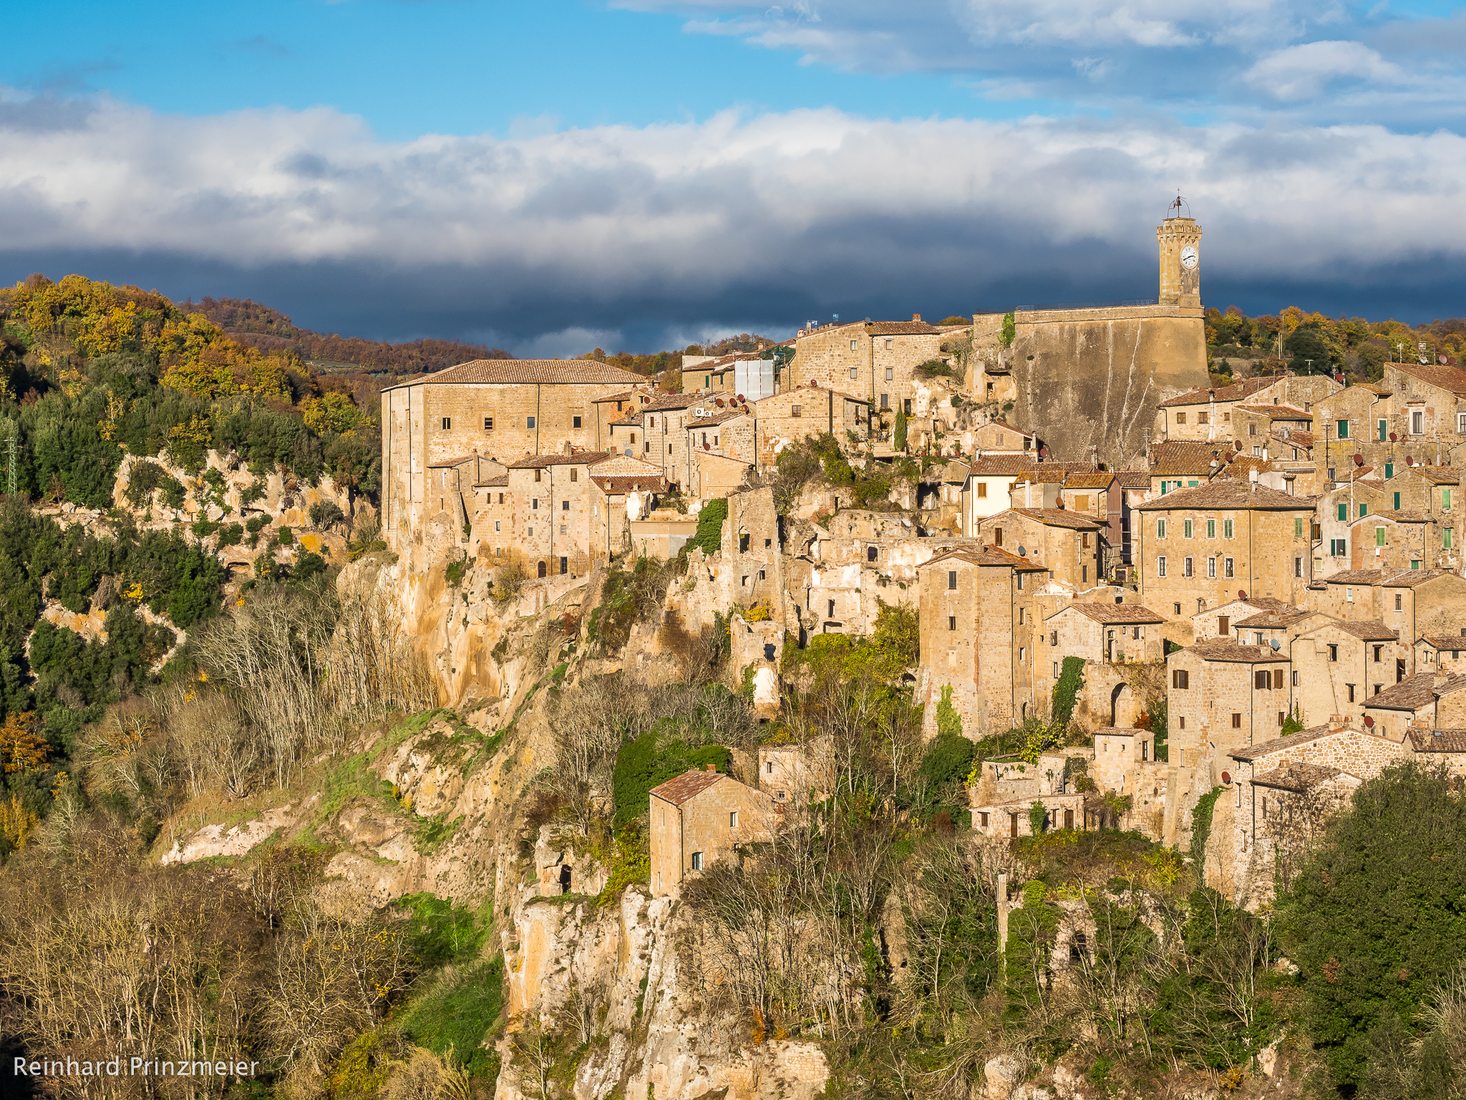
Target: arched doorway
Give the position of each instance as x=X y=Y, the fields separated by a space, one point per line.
x=540 y=569
x=1122 y=706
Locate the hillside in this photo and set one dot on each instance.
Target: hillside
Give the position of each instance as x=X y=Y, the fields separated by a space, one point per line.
x=259 y=326
x=1312 y=342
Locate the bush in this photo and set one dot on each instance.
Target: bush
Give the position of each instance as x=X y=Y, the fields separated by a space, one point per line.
x=325 y=513
x=1066 y=688
x=455 y=1013
x=645 y=761
x=947 y=760
x=949 y=722
x=710 y=521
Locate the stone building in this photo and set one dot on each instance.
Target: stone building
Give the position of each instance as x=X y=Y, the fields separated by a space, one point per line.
x=1070 y=545
x=700 y=817
x=1396 y=541
x=875 y=361
x=1432 y=699
x=1107 y=636
x=498 y=408
x=1443 y=651
x=978 y=620
x=1411 y=603
x=1185 y=464
x=1223 y=696
x=1205 y=415
x=802 y=413
x=1338 y=508
x=989 y=488
x=1200 y=547
x=998 y=437
x=665 y=441
x=1339 y=663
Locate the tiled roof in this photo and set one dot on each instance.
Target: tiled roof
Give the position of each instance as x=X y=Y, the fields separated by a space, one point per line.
x=712 y=420
x=1445 y=641
x=1059 y=517
x=1002 y=465
x=1128 y=614
x=630 y=419
x=624 y=466
x=1411 y=693
x=1180 y=456
x=1296 y=777
x=1242 y=467
x=673 y=401
x=1118 y=731
x=1447 y=740
x=1292 y=740
x=1095 y=479
x=624 y=395
x=1437 y=475
x=1133 y=479
x=1355 y=576
x=1297 y=437
x=1221 y=649
x=1277 y=412
x=1368 y=630
x=901 y=328
x=559 y=458
x=686 y=786
x=1409 y=578
x=529 y=371
x=1229 y=494
x=1237 y=391
x=1272 y=618
x=499 y=482
x=445 y=463
x=986 y=555
x=1451 y=379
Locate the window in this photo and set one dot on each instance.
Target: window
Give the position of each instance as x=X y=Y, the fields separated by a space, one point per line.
x=1342 y=508
x=732 y=819
x=1396 y=504
x=1211 y=567
x=1160 y=528
x=1224 y=624
x=951 y=580
x=1389 y=471
x=497 y=525
x=1378 y=653
x=796 y=411
x=488 y=423
x=564 y=566
x=1445 y=500
x=1417 y=421
x=574 y=474
x=1236 y=720
x=564 y=506
x=697 y=861
x=1461 y=423
x=575 y=421
x=890 y=374
x=885 y=402
x=1022 y=653
x=997 y=536
x=1021 y=616
x=529 y=422
x=1020 y=582
x=1229 y=567
x=1338 y=547
x=1384 y=429
x=1226 y=528
x=830 y=609
x=1180 y=679
x=447 y=423
x=1188 y=566
x=982 y=489
x=538 y=474
x=1211 y=528
x=1446 y=538
x=1363 y=510
x=1351 y=692
x=1333 y=652
x=1181 y=722
x=1343 y=429
x=1297 y=565
x=1186 y=529
x=535 y=504
x=853 y=346
x=1298 y=528
x=951 y=622
x=1160 y=567
x=852 y=369
x=1180 y=418
x=1379 y=536
x=1201 y=418
x=870 y=553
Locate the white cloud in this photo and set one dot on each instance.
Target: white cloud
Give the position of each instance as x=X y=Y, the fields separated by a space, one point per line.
x=1305 y=71
x=735 y=217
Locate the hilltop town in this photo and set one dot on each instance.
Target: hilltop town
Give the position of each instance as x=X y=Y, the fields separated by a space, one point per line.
x=1247 y=596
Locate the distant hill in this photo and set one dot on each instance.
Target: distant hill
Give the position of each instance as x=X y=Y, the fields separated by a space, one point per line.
x=270 y=330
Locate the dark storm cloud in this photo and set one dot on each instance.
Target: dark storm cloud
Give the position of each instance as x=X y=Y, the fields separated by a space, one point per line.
x=655 y=236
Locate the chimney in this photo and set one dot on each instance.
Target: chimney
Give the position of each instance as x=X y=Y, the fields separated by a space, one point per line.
x=712 y=767
x=916 y=317
x=1336 y=722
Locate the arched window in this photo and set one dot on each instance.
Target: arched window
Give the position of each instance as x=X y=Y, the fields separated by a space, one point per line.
x=540 y=570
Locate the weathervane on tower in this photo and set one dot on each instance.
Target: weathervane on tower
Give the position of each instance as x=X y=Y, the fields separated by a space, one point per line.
x=1179 y=238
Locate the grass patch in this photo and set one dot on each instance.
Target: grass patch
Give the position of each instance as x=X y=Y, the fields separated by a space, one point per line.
x=454 y=1014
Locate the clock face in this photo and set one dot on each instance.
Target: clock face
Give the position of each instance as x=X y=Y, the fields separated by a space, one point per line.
x=1189 y=257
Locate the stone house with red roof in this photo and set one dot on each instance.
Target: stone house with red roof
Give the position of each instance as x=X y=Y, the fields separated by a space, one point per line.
x=700 y=817
x=1337 y=664
x=1070 y=545
x=1108 y=636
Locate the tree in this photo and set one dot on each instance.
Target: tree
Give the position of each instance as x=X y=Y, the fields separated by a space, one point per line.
x=898 y=438
x=1307 y=351
x=1374 y=919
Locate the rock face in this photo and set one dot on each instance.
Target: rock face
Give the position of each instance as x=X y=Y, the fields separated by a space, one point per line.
x=1088 y=381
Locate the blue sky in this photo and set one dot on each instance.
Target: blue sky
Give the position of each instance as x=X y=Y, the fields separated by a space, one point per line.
x=555 y=174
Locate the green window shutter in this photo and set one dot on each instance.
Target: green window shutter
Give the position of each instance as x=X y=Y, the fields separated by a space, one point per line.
x=1379 y=536
x=1343 y=510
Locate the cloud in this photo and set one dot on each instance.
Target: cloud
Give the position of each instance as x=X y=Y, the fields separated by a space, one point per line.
x=1306 y=71
x=638 y=236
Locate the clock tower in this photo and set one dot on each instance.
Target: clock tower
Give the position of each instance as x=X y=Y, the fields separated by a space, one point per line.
x=1179 y=238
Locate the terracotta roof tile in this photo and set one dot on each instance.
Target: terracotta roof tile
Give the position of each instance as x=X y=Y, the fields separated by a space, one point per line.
x=1180 y=456
x=558 y=458
x=1001 y=465
x=1237 y=391
x=529 y=371
x=1296 y=777
x=1221 y=649
x=1411 y=693
x=1059 y=517
x=686 y=786
x=1290 y=741
x=901 y=328
x=1451 y=379
x=1446 y=740
x=1229 y=494
x=1445 y=641
x=1129 y=614
x=673 y=401
x=977 y=554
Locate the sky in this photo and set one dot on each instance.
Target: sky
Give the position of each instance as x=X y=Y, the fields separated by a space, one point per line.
x=553 y=175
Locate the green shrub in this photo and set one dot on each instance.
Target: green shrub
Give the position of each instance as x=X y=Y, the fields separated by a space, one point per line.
x=325 y=513
x=947 y=760
x=650 y=759
x=438 y=931
x=1066 y=688
x=454 y=1014
x=1201 y=823
x=710 y=526
x=1010 y=330
x=949 y=722
x=898 y=436
x=149 y=476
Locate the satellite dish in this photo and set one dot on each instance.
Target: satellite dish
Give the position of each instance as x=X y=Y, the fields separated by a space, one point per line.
x=1277 y=645
x=1369 y=722
x=1394 y=438
x=1022 y=552
x=1227 y=778
x=1359 y=460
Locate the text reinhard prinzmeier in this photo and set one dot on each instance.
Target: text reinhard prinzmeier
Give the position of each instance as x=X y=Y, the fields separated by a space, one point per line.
x=133 y=1067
